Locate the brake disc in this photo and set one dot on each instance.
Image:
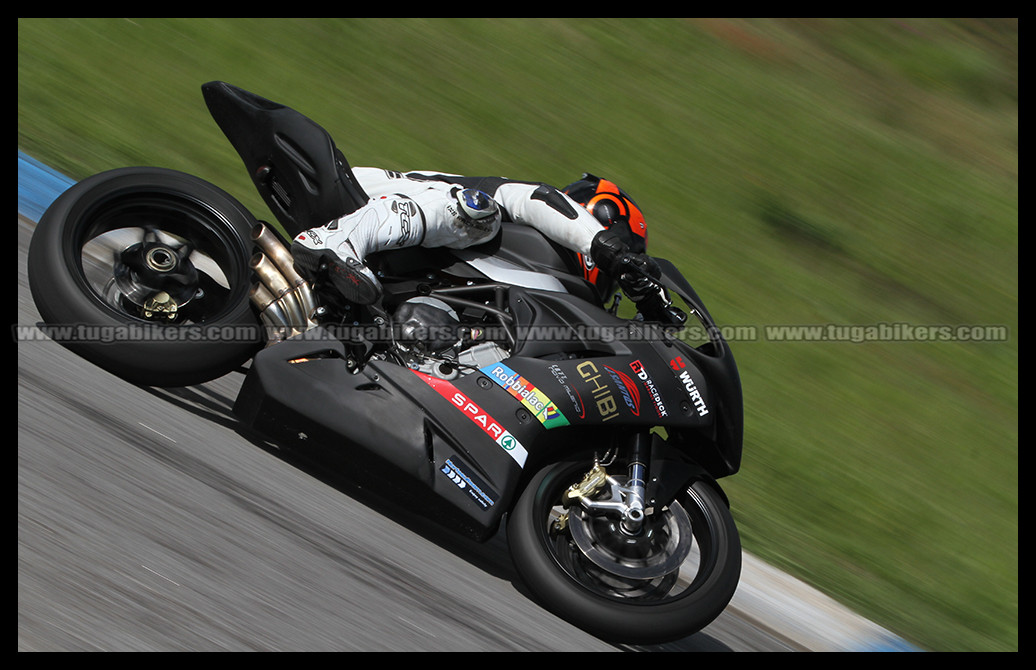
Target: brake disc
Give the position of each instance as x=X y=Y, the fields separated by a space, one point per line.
x=640 y=556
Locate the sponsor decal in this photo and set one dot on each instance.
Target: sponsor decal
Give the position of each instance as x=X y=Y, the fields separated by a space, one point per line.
x=589 y=269
x=407 y=212
x=627 y=389
x=535 y=400
x=460 y=474
x=642 y=374
x=504 y=439
x=573 y=395
x=683 y=375
x=604 y=399
x=312 y=235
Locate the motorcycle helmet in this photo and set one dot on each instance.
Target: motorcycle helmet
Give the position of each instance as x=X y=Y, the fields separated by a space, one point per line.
x=616 y=211
x=476 y=205
x=477 y=216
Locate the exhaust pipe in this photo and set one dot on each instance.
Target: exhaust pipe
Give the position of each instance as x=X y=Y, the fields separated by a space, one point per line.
x=284 y=300
x=272 y=247
x=278 y=325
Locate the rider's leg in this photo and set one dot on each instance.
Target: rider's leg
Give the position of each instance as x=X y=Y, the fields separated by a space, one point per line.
x=436 y=218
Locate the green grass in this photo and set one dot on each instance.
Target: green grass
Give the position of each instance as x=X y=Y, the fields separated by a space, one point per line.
x=800 y=171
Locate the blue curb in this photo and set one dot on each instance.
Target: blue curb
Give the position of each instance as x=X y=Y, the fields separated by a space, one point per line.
x=38 y=186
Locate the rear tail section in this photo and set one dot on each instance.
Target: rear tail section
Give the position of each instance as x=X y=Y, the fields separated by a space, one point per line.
x=300 y=173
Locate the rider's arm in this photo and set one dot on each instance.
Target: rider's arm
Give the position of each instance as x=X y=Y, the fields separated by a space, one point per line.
x=543 y=207
x=551 y=212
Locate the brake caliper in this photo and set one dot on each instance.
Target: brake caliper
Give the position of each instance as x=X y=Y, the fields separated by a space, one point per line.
x=593 y=481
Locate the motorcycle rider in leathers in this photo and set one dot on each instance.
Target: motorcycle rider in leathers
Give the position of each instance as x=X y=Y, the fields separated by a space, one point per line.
x=433 y=209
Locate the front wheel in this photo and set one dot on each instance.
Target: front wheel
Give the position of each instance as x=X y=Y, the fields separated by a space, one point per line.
x=144 y=272
x=670 y=579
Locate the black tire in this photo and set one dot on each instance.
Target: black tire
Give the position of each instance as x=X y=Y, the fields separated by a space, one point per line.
x=612 y=607
x=213 y=334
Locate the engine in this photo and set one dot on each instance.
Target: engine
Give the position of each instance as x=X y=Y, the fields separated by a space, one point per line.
x=432 y=338
x=427 y=333
x=428 y=324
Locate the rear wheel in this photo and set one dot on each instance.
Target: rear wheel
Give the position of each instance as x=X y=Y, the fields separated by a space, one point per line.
x=667 y=580
x=144 y=272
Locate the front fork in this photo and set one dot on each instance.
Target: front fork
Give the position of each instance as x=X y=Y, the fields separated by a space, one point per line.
x=626 y=499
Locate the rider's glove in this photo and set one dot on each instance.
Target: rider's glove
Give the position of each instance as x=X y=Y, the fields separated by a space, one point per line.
x=615 y=259
x=636 y=274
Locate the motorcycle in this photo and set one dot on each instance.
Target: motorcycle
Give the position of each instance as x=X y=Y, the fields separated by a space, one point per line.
x=492 y=383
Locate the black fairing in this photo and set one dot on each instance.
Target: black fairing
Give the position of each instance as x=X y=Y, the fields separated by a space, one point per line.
x=300 y=173
x=716 y=362
x=577 y=378
x=391 y=426
x=572 y=349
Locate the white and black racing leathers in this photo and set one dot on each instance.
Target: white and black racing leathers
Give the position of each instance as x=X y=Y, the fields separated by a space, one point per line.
x=422 y=208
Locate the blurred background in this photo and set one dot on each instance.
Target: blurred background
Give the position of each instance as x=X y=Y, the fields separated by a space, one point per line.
x=844 y=190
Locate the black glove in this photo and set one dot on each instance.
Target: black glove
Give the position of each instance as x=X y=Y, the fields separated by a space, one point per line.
x=636 y=274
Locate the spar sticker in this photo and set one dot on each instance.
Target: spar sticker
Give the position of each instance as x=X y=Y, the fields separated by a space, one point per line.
x=535 y=400
x=488 y=424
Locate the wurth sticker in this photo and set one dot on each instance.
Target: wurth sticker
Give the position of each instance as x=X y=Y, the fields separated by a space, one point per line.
x=683 y=375
x=480 y=417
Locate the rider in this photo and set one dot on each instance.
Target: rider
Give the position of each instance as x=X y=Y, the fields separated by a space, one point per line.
x=434 y=209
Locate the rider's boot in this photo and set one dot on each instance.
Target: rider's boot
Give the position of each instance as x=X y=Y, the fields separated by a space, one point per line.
x=342 y=245
x=327 y=252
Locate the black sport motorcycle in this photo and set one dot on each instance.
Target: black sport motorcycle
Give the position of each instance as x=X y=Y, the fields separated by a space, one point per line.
x=492 y=383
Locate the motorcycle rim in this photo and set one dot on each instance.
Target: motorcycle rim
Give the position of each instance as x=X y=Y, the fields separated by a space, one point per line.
x=625 y=589
x=152 y=264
